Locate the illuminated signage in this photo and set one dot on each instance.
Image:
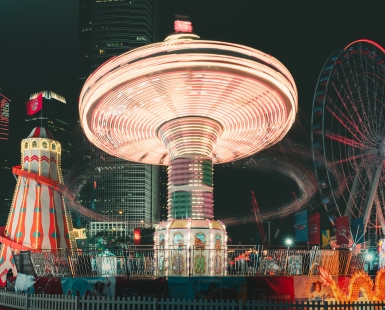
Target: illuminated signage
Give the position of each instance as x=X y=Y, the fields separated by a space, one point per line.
x=182 y=26
x=4 y=118
x=137 y=235
x=5 y=109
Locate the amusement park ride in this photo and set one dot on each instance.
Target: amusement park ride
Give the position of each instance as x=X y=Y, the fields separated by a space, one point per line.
x=347 y=142
x=188 y=104
x=348 y=131
x=257 y=215
x=39 y=218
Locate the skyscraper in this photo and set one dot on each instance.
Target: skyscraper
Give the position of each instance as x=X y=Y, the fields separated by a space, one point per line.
x=110 y=28
x=124 y=190
x=7 y=159
x=163 y=195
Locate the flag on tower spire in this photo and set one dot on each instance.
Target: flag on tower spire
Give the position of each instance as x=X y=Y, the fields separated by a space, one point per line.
x=34 y=105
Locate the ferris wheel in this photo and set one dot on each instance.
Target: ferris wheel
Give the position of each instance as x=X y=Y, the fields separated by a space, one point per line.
x=348 y=134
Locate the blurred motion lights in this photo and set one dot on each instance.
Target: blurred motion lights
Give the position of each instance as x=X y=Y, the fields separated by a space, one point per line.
x=188 y=104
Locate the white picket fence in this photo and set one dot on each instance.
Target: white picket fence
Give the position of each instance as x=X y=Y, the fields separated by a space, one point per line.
x=62 y=302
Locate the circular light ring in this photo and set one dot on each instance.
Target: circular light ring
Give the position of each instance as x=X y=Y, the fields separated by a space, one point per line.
x=190 y=135
x=125 y=101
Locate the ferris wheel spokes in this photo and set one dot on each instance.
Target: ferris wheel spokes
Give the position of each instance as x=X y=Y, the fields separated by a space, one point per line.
x=344 y=140
x=380 y=215
x=348 y=128
x=351 y=80
x=348 y=159
x=353 y=193
x=344 y=120
x=372 y=194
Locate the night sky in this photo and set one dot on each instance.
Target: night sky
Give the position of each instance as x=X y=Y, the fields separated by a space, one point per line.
x=39 y=50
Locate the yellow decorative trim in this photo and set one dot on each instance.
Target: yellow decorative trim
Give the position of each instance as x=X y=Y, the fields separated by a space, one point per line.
x=48 y=95
x=216 y=225
x=44 y=144
x=179 y=224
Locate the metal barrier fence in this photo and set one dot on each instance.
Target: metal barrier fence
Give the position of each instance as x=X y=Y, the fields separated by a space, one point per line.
x=49 y=302
x=339 y=262
x=143 y=261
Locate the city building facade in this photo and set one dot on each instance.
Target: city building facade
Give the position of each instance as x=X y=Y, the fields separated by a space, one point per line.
x=163 y=195
x=113 y=229
x=111 y=28
x=7 y=158
x=127 y=192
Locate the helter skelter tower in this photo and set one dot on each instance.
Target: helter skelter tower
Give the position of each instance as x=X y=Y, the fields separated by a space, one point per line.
x=188 y=103
x=39 y=218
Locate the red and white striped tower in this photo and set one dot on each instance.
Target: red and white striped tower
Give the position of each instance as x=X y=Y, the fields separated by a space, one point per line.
x=39 y=218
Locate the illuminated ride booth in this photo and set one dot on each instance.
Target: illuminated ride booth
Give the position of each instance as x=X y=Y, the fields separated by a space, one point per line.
x=188 y=104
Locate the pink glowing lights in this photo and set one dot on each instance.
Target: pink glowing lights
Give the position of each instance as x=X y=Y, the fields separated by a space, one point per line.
x=367 y=41
x=182 y=26
x=243 y=99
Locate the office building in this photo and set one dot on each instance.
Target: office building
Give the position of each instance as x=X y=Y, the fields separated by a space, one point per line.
x=110 y=28
x=124 y=190
x=163 y=195
x=8 y=158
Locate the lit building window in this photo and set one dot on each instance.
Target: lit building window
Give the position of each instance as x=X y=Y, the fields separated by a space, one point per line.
x=26 y=145
x=53 y=146
x=34 y=144
x=44 y=144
